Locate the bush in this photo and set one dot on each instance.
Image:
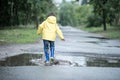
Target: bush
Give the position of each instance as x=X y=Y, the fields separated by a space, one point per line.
x=67 y=15
x=82 y=13
x=94 y=21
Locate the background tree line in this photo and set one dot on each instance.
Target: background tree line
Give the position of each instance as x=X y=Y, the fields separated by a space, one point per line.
x=92 y=13
x=109 y=10
x=16 y=12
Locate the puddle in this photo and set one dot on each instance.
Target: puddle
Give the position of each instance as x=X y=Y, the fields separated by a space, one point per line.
x=96 y=42
x=103 y=62
x=19 y=60
x=99 y=41
x=76 y=61
x=101 y=38
x=114 y=46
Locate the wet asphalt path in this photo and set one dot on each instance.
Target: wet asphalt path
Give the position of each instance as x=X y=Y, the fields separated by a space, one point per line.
x=77 y=43
x=58 y=73
x=81 y=42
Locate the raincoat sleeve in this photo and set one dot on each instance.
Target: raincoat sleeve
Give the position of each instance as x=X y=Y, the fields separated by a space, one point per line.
x=40 y=28
x=59 y=32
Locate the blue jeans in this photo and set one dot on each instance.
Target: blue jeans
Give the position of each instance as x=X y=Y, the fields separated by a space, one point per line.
x=49 y=44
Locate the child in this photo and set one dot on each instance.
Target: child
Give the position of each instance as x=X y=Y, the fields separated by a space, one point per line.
x=48 y=29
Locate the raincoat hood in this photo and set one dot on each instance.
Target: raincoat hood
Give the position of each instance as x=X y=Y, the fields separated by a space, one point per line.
x=51 y=19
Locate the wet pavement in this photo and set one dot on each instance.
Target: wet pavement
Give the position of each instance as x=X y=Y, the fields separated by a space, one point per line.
x=58 y=73
x=82 y=56
x=85 y=42
x=73 y=61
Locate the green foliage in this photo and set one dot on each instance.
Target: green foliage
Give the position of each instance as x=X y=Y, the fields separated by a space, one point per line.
x=113 y=32
x=16 y=12
x=94 y=21
x=73 y=14
x=108 y=9
x=82 y=13
x=67 y=14
x=100 y=12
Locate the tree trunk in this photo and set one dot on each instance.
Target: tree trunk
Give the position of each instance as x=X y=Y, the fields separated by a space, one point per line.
x=104 y=16
x=104 y=20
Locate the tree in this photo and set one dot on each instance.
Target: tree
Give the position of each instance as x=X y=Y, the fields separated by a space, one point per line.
x=4 y=13
x=114 y=11
x=109 y=10
x=100 y=10
x=16 y=12
x=67 y=14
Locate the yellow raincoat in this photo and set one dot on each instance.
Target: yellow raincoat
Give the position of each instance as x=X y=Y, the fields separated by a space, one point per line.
x=49 y=28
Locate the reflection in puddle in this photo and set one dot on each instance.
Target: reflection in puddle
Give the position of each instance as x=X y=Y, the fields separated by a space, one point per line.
x=103 y=62
x=19 y=60
x=114 y=46
x=101 y=38
x=77 y=61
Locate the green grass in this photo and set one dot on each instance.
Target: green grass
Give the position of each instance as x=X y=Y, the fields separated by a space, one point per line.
x=23 y=35
x=112 y=32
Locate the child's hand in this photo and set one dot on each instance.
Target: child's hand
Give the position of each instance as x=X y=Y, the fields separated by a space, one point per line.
x=63 y=39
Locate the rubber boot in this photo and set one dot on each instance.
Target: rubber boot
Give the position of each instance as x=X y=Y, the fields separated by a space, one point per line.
x=52 y=52
x=47 y=57
x=52 y=56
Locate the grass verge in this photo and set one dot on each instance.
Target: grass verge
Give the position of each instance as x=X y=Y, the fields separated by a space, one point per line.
x=24 y=35
x=111 y=32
